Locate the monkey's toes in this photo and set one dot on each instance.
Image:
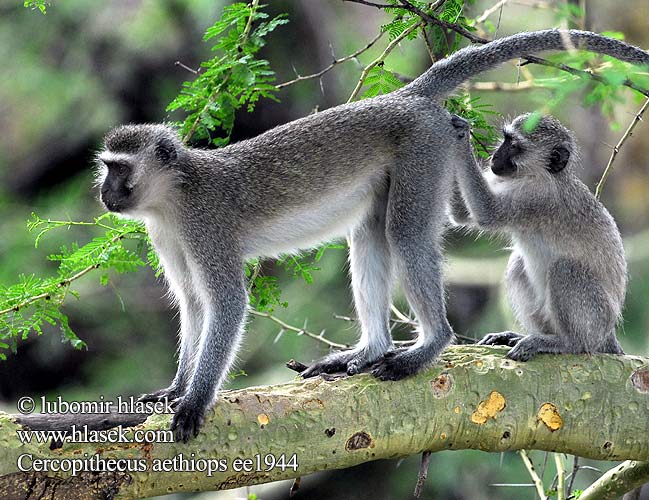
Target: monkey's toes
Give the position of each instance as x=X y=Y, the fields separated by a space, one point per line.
x=522 y=352
x=393 y=367
x=187 y=421
x=501 y=338
x=359 y=363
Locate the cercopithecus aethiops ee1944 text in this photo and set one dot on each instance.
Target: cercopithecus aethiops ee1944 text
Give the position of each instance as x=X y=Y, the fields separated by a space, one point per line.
x=380 y=170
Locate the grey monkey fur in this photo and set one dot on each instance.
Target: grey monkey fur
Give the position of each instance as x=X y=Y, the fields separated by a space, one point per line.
x=379 y=169
x=566 y=277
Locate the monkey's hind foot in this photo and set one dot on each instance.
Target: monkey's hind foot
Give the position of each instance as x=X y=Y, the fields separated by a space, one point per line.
x=401 y=363
x=531 y=345
x=170 y=393
x=187 y=420
x=501 y=338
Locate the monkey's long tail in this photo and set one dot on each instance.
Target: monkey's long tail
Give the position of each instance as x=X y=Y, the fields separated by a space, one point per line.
x=445 y=76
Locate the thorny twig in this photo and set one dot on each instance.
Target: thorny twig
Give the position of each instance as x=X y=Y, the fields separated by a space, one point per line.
x=300 y=331
x=532 y=472
x=381 y=58
x=334 y=63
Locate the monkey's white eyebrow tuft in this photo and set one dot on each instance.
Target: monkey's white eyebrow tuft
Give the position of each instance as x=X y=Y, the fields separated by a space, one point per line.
x=109 y=156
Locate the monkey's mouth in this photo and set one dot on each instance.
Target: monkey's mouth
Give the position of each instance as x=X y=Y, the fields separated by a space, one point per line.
x=115 y=204
x=505 y=168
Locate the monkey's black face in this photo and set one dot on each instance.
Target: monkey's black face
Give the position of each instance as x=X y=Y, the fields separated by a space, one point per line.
x=503 y=161
x=116 y=194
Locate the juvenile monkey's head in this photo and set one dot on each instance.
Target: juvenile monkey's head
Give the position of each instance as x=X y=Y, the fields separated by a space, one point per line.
x=546 y=149
x=138 y=166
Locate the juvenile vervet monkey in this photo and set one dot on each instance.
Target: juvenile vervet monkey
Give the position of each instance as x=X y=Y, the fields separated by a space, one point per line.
x=380 y=170
x=566 y=277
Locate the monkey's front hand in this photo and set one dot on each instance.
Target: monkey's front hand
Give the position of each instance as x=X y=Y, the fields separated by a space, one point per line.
x=188 y=419
x=501 y=338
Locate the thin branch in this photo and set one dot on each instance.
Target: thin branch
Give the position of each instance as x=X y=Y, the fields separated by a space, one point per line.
x=561 y=477
x=333 y=64
x=628 y=133
x=402 y=320
x=619 y=480
x=299 y=331
x=581 y=73
x=246 y=32
x=573 y=475
x=504 y=87
x=184 y=66
x=381 y=58
x=423 y=473
x=535 y=477
x=429 y=45
x=483 y=17
x=64 y=283
x=405 y=4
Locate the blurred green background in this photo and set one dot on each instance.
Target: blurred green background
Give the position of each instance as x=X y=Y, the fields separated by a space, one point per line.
x=86 y=66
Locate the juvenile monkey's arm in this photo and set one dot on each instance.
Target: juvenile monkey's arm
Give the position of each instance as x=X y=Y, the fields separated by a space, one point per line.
x=486 y=208
x=458 y=210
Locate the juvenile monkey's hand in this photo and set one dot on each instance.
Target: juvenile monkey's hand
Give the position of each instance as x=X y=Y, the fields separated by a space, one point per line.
x=188 y=419
x=462 y=126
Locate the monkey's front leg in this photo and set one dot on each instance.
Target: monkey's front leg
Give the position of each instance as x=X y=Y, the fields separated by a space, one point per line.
x=223 y=322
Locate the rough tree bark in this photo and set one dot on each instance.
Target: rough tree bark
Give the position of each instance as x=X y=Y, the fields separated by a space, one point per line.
x=591 y=406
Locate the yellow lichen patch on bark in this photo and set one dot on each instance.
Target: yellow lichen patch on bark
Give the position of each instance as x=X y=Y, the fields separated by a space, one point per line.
x=488 y=408
x=549 y=415
x=263 y=419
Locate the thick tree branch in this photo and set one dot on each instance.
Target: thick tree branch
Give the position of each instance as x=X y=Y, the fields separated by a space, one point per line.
x=592 y=406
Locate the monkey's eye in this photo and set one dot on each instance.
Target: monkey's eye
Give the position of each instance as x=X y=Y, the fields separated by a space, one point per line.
x=118 y=168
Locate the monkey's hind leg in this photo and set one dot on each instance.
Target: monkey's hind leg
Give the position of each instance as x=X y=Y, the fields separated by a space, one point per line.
x=420 y=189
x=371 y=273
x=581 y=317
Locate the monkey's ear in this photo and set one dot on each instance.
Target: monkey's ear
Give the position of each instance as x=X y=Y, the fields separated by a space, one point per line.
x=558 y=159
x=165 y=150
